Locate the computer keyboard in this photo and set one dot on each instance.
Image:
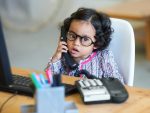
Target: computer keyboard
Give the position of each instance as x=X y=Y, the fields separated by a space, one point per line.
x=22 y=85
x=22 y=80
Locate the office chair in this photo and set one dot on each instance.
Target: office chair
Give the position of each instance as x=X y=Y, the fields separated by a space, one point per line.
x=123 y=48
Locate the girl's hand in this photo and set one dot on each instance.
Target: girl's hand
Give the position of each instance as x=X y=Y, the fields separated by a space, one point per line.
x=62 y=48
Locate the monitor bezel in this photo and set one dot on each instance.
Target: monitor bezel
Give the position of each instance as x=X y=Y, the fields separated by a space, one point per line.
x=5 y=70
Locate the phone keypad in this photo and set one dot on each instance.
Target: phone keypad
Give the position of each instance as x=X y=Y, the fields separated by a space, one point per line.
x=98 y=82
x=93 y=90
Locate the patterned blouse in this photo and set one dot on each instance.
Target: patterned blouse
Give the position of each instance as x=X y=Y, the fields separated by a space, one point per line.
x=100 y=64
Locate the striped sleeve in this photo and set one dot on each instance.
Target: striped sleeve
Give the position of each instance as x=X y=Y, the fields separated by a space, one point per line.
x=110 y=66
x=54 y=67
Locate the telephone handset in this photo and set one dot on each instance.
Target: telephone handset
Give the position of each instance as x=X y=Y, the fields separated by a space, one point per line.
x=67 y=57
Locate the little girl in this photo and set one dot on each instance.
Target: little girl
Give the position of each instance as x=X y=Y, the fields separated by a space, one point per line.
x=88 y=34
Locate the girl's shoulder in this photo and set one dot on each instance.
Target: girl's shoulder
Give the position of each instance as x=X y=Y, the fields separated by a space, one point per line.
x=105 y=56
x=104 y=53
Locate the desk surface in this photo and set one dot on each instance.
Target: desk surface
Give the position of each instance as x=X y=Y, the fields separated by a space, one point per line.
x=138 y=101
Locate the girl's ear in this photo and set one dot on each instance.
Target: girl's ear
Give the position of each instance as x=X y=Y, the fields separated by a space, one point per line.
x=94 y=47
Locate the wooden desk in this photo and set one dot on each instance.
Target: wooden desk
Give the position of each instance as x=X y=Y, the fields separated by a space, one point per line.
x=135 y=10
x=138 y=101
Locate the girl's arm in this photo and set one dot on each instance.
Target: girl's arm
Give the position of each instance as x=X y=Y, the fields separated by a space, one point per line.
x=55 y=67
x=110 y=66
x=54 y=63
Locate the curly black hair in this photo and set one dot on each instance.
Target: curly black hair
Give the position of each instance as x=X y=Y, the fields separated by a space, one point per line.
x=99 y=20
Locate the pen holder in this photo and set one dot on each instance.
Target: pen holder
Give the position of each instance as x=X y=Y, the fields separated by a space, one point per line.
x=50 y=100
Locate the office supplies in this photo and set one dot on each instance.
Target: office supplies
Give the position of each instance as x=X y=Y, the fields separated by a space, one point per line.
x=42 y=79
x=36 y=80
x=101 y=90
x=70 y=107
x=49 y=76
x=50 y=100
x=69 y=89
x=134 y=94
x=49 y=97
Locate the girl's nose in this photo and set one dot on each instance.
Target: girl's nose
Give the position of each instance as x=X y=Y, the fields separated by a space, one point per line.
x=77 y=41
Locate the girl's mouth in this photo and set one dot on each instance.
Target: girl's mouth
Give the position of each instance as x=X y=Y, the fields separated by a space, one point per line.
x=74 y=51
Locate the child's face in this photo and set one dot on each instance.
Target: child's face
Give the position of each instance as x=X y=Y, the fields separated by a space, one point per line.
x=82 y=29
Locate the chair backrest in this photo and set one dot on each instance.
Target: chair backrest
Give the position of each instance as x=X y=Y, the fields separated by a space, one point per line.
x=123 y=48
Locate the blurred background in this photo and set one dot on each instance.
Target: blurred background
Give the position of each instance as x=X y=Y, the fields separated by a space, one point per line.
x=32 y=31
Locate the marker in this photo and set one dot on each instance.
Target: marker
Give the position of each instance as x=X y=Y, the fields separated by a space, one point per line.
x=49 y=76
x=42 y=79
x=35 y=81
x=37 y=77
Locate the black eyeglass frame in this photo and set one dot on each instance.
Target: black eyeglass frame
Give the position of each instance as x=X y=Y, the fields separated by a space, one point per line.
x=81 y=37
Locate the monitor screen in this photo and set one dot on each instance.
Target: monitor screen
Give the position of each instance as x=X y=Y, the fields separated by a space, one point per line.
x=5 y=71
x=8 y=82
x=7 y=78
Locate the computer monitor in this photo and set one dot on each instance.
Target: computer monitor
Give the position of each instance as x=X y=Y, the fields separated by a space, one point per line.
x=5 y=72
x=7 y=82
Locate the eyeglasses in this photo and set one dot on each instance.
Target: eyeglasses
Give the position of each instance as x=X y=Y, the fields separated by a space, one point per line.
x=84 y=40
